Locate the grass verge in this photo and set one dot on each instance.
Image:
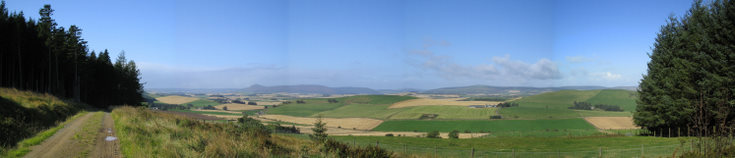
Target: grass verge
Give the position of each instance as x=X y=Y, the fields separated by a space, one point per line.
x=24 y=146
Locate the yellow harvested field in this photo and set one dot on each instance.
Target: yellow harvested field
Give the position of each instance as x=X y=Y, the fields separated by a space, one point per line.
x=428 y=101
x=176 y=99
x=347 y=123
x=268 y=102
x=612 y=122
x=235 y=106
x=232 y=112
x=226 y=117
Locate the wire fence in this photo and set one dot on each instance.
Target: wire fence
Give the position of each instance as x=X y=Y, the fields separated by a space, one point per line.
x=629 y=151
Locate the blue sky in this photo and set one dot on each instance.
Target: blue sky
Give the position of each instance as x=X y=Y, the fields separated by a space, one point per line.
x=382 y=44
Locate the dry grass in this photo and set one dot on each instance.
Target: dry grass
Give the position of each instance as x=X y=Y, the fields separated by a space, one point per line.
x=235 y=106
x=449 y=102
x=30 y=99
x=145 y=133
x=226 y=117
x=176 y=99
x=348 y=123
x=612 y=122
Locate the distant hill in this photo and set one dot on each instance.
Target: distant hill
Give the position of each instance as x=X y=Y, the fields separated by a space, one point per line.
x=309 y=89
x=496 y=90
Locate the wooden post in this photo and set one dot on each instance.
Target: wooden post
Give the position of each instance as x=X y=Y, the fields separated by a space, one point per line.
x=353 y=141
x=514 y=153
x=404 y=148
x=377 y=143
x=678 y=131
x=669 y=131
x=435 y=151
x=600 y=153
x=558 y=153
x=472 y=153
x=642 y=151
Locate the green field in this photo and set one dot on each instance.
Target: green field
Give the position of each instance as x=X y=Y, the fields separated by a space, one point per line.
x=483 y=125
x=623 y=98
x=555 y=105
x=525 y=146
x=311 y=107
x=353 y=106
x=202 y=103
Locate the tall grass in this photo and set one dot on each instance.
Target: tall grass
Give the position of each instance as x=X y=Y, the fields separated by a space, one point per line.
x=145 y=133
x=23 y=114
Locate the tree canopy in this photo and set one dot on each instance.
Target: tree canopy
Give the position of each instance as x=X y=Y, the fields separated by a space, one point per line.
x=43 y=57
x=691 y=75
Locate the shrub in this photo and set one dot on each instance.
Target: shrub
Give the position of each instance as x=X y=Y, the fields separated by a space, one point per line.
x=432 y=134
x=389 y=134
x=343 y=150
x=454 y=134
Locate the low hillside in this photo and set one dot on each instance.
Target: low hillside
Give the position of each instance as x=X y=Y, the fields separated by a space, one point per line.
x=25 y=113
x=145 y=133
x=555 y=105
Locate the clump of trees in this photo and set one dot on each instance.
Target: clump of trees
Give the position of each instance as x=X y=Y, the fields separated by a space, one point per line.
x=300 y=102
x=332 y=101
x=38 y=55
x=432 y=134
x=588 y=106
x=507 y=104
x=690 y=82
x=454 y=134
x=252 y=103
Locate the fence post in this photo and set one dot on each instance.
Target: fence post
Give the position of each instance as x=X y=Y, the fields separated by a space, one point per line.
x=473 y=152
x=377 y=143
x=600 y=153
x=353 y=141
x=514 y=153
x=669 y=131
x=678 y=130
x=558 y=153
x=435 y=151
x=642 y=151
x=404 y=148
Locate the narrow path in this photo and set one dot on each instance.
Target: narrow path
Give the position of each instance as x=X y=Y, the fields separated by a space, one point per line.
x=107 y=144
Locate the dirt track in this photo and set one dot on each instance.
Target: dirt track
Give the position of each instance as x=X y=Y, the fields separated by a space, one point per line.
x=72 y=141
x=104 y=145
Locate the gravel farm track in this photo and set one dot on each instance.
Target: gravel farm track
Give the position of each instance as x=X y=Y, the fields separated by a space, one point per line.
x=85 y=136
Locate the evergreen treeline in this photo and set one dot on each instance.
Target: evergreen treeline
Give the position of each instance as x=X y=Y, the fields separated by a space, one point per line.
x=40 y=56
x=588 y=106
x=690 y=83
x=507 y=104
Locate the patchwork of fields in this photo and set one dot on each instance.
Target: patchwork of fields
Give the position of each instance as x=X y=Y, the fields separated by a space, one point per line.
x=542 y=115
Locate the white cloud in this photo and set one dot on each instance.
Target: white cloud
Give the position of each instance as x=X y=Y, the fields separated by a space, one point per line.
x=578 y=59
x=607 y=76
x=498 y=68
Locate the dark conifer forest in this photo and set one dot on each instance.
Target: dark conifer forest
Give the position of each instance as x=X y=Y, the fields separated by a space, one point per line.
x=38 y=55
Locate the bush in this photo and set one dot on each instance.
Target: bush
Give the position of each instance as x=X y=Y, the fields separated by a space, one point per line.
x=389 y=134
x=252 y=103
x=454 y=134
x=343 y=150
x=432 y=134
